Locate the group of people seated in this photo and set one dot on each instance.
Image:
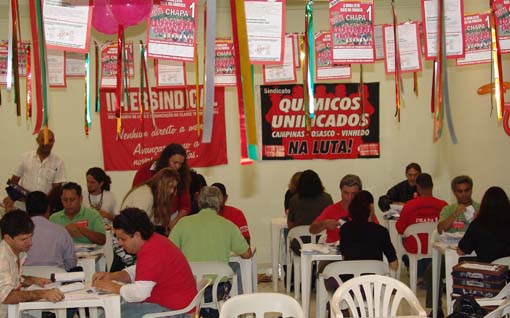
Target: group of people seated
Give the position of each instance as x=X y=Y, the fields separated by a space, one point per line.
x=352 y=223
x=156 y=233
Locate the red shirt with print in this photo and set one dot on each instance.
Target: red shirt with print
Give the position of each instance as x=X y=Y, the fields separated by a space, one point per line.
x=236 y=216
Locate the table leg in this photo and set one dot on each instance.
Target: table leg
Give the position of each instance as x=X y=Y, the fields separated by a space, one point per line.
x=13 y=311
x=275 y=237
x=436 y=277
x=306 y=268
x=112 y=307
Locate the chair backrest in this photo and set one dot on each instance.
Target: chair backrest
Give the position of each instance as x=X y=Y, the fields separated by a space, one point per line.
x=376 y=296
x=421 y=228
x=502 y=310
x=261 y=303
x=304 y=230
x=502 y=261
x=356 y=268
x=217 y=272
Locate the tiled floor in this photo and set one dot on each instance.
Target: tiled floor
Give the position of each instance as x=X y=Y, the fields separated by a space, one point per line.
x=421 y=293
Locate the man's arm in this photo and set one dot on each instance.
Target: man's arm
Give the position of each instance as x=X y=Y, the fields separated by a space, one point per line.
x=318 y=226
x=247 y=253
x=446 y=223
x=93 y=236
x=17 y=296
x=14 y=179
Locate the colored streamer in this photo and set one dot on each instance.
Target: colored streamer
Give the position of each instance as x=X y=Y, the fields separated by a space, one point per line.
x=10 y=36
x=209 y=71
x=118 y=90
x=496 y=64
x=439 y=112
x=28 y=111
x=141 y=95
x=361 y=92
x=397 y=62
x=240 y=94
x=88 y=120
x=415 y=83
x=149 y=91
x=98 y=77
x=310 y=46
x=197 y=91
x=303 y=55
x=15 y=47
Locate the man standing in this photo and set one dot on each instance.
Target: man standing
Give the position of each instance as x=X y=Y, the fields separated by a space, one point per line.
x=232 y=214
x=457 y=216
x=85 y=225
x=403 y=191
x=160 y=281
x=423 y=209
x=52 y=244
x=17 y=228
x=38 y=170
x=336 y=214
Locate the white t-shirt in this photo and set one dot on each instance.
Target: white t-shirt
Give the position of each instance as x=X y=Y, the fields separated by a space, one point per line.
x=105 y=201
x=40 y=176
x=141 y=198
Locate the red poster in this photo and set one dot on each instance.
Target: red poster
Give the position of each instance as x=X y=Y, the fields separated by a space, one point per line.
x=176 y=121
x=352 y=31
x=224 y=64
x=341 y=128
x=109 y=63
x=324 y=67
x=22 y=59
x=171 y=30
x=502 y=12
x=477 y=32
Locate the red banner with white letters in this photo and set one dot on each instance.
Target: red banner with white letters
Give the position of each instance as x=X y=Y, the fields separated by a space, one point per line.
x=174 y=111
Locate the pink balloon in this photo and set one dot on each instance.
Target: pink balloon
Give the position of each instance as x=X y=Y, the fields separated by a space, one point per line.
x=102 y=19
x=129 y=12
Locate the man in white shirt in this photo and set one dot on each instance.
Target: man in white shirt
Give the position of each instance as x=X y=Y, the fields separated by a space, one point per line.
x=17 y=229
x=38 y=170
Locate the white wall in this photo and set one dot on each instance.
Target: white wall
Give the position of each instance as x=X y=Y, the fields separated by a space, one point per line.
x=258 y=189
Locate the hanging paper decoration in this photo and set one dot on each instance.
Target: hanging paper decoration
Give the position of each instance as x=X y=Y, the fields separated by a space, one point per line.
x=56 y=68
x=102 y=19
x=408 y=47
x=477 y=30
x=225 y=69
x=41 y=79
x=284 y=73
x=501 y=9
x=325 y=69
x=247 y=128
x=129 y=12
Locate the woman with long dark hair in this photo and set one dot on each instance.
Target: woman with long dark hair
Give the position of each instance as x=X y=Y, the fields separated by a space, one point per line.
x=99 y=195
x=488 y=235
x=174 y=157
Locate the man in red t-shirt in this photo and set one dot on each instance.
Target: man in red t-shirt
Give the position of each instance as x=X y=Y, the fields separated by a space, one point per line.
x=232 y=214
x=160 y=281
x=425 y=208
x=336 y=214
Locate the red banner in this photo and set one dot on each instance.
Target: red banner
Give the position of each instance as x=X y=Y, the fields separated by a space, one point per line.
x=176 y=121
x=342 y=128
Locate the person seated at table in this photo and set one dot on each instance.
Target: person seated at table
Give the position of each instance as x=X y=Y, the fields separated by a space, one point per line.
x=51 y=243
x=488 y=235
x=336 y=214
x=85 y=225
x=99 y=196
x=173 y=156
x=17 y=229
x=208 y=237
x=232 y=214
x=365 y=240
x=423 y=209
x=292 y=187
x=161 y=280
x=403 y=191
x=197 y=183
x=455 y=217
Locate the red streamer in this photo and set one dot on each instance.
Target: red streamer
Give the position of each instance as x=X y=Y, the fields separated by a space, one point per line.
x=37 y=66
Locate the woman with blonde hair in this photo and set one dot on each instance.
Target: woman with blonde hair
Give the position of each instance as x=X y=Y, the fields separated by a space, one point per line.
x=156 y=197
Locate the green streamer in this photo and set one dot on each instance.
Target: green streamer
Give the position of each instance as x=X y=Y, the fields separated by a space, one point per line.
x=311 y=57
x=42 y=54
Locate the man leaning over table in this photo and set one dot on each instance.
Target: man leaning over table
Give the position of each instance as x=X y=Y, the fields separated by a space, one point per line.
x=161 y=280
x=17 y=229
x=85 y=225
x=454 y=218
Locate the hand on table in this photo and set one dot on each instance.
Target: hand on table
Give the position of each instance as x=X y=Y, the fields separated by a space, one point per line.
x=73 y=230
x=101 y=276
x=40 y=281
x=106 y=285
x=54 y=295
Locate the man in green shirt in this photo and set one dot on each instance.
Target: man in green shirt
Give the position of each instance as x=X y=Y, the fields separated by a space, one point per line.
x=85 y=225
x=457 y=216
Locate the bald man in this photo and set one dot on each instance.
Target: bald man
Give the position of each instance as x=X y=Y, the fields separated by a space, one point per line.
x=38 y=170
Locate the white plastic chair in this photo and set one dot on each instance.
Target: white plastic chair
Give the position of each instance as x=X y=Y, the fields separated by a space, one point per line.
x=502 y=310
x=333 y=270
x=261 y=303
x=195 y=303
x=218 y=272
x=294 y=260
x=376 y=296
x=412 y=231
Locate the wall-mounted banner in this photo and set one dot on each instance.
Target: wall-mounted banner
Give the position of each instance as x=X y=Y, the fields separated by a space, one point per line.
x=477 y=31
x=176 y=120
x=341 y=129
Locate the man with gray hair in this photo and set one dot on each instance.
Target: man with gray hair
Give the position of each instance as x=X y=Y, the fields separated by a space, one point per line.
x=336 y=214
x=206 y=236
